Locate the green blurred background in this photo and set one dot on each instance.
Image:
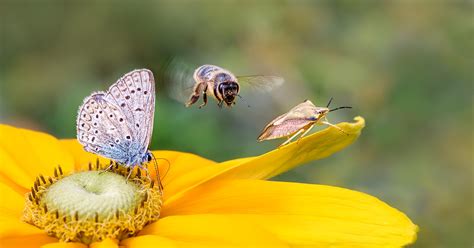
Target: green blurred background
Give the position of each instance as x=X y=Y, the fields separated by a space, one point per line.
x=405 y=66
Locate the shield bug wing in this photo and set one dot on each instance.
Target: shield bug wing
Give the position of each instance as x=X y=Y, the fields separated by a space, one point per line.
x=291 y=122
x=283 y=129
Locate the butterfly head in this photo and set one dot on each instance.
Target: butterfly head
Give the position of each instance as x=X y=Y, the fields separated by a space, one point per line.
x=148 y=156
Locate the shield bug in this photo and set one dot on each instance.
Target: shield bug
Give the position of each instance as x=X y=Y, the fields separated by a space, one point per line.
x=299 y=120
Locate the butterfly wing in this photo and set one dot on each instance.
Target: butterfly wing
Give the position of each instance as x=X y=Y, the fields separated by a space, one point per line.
x=118 y=124
x=134 y=93
x=101 y=128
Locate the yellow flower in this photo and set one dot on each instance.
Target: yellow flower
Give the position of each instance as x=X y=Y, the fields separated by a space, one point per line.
x=209 y=204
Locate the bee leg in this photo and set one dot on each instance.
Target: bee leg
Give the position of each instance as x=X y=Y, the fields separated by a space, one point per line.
x=192 y=100
x=291 y=138
x=220 y=104
x=305 y=132
x=334 y=126
x=196 y=93
x=204 y=98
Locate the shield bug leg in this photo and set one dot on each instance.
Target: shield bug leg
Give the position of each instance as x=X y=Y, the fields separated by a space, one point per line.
x=305 y=132
x=291 y=138
x=334 y=126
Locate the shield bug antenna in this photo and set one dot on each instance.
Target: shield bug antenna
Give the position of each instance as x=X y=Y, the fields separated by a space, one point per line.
x=343 y=107
x=329 y=103
x=334 y=109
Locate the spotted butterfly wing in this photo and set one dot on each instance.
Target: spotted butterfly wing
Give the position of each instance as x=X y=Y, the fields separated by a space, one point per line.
x=117 y=124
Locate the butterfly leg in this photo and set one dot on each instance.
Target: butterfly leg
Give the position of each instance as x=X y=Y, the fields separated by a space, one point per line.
x=291 y=138
x=130 y=173
x=196 y=93
x=108 y=168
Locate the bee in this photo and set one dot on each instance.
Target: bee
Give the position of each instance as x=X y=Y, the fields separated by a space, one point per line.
x=299 y=120
x=217 y=82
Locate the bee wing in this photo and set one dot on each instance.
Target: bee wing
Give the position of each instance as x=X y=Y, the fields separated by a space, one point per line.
x=179 y=77
x=261 y=82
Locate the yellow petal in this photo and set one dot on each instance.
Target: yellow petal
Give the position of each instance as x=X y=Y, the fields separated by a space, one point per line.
x=64 y=245
x=12 y=174
x=316 y=146
x=11 y=228
x=151 y=241
x=211 y=231
x=172 y=165
x=29 y=153
x=301 y=214
x=14 y=232
x=28 y=241
x=176 y=165
x=12 y=202
x=107 y=243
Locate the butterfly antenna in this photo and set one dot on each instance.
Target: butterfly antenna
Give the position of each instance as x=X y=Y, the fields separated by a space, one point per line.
x=169 y=166
x=248 y=105
x=343 y=107
x=158 y=179
x=329 y=103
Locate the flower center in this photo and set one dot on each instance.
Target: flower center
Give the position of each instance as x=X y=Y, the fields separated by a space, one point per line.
x=92 y=205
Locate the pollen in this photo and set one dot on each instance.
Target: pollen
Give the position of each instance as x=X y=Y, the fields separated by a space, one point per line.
x=93 y=205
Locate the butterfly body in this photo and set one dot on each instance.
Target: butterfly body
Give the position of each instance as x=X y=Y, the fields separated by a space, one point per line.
x=118 y=123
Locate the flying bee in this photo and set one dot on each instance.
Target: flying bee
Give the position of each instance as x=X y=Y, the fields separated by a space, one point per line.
x=214 y=81
x=299 y=120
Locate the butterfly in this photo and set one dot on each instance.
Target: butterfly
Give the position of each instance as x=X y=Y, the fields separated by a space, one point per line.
x=118 y=123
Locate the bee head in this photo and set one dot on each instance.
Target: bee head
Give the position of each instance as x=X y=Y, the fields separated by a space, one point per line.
x=229 y=91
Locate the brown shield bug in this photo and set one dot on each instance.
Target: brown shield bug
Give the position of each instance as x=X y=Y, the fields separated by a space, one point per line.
x=299 y=120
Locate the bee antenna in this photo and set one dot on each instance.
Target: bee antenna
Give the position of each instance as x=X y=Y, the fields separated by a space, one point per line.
x=244 y=100
x=343 y=107
x=329 y=103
